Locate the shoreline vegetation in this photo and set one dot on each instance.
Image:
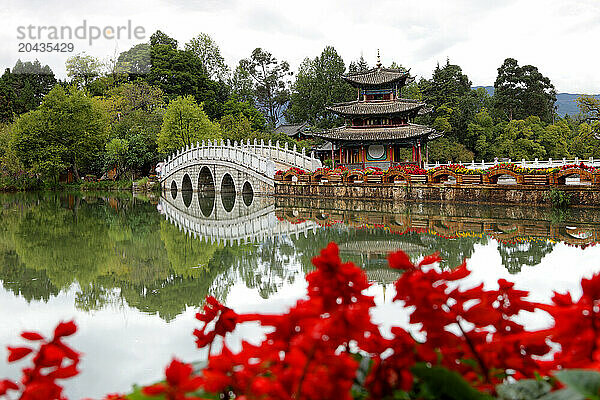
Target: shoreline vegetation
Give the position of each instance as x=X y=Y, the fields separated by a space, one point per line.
x=30 y=185
x=119 y=120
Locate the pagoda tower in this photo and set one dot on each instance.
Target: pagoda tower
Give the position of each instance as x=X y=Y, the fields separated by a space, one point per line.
x=378 y=123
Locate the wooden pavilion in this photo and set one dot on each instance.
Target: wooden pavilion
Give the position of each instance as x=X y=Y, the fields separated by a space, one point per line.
x=378 y=123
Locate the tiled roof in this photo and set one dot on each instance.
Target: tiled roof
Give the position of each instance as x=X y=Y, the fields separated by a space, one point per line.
x=377 y=76
x=376 y=133
x=385 y=107
x=291 y=129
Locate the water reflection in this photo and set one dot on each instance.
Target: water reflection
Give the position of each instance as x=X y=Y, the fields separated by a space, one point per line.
x=206 y=200
x=117 y=255
x=119 y=249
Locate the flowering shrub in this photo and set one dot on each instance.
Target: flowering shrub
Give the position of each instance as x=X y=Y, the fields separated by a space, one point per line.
x=583 y=166
x=372 y=171
x=327 y=347
x=520 y=170
x=411 y=169
x=297 y=171
x=456 y=168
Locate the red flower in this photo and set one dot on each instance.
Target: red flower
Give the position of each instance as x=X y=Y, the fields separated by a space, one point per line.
x=224 y=317
x=179 y=382
x=6 y=385
x=16 y=353
x=52 y=361
x=65 y=329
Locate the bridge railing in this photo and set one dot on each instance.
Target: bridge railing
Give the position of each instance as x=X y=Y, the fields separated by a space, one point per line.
x=218 y=150
x=285 y=155
x=260 y=156
x=550 y=163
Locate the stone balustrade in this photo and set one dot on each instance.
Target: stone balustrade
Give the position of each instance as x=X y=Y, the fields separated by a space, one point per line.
x=260 y=157
x=536 y=163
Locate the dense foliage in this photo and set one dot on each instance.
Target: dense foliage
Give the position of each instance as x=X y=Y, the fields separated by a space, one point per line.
x=462 y=342
x=139 y=116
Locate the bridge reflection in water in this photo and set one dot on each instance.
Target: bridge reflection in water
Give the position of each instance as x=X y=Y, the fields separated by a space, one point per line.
x=366 y=232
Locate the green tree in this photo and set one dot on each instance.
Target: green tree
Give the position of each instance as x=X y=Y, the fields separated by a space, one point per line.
x=116 y=154
x=448 y=92
x=518 y=139
x=23 y=88
x=69 y=129
x=523 y=91
x=357 y=66
x=481 y=132
x=319 y=84
x=136 y=113
x=184 y=123
x=270 y=84
x=256 y=118
x=205 y=48
x=590 y=108
x=135 y=62
x=445 y=149
x=447 y=85
x=585 y=143
x=236 y=127
x=181 y=73
x=83 y=69
x=242 y=85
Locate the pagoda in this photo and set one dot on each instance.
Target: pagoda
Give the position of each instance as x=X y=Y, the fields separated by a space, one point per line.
x=378 y=123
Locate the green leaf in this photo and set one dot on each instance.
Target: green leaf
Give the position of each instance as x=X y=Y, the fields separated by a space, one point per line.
x=526 y=389
x=563 y=394
x=446 y=384
x=585 y=382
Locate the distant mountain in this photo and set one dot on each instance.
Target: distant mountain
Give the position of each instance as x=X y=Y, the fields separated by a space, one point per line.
x=566 y=102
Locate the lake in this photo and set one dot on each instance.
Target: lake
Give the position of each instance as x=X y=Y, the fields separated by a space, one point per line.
x=133 y=270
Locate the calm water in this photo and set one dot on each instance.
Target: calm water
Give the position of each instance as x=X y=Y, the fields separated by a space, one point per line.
x=133 y=271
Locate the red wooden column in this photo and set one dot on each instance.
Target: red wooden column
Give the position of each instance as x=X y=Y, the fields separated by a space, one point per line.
x=332 y=157
x=363 y=155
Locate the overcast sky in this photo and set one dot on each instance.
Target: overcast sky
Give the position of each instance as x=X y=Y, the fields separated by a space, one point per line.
x=559 y=37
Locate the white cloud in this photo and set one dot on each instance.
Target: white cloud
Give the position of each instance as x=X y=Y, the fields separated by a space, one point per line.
x=556 y=37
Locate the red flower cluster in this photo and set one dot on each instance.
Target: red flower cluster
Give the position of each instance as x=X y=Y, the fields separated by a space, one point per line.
x=52 y=361
x=179 y=382
x=225 y=320
x=411 y=169
x=581 y=165
x=313 y=350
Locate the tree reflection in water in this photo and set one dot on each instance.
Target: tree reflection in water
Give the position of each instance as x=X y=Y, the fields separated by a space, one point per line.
x=119 y=250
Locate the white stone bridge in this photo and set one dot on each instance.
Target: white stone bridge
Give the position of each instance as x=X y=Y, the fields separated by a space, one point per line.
x=223 y=166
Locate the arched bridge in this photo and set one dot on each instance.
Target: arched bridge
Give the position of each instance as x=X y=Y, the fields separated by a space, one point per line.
x=225 y=166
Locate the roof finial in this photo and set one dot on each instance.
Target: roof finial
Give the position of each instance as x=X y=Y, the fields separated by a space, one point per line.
x=378 y=59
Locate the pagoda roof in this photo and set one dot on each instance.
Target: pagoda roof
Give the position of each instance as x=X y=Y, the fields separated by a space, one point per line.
x=377 y=76
x=374 y=134
x=376 y=107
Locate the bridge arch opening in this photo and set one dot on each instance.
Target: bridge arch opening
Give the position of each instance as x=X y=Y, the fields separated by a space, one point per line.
x=206 y=201
x=227 y=192
x=174 y=189
x=247 y=194
x=186 y=190
x=206 y=182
